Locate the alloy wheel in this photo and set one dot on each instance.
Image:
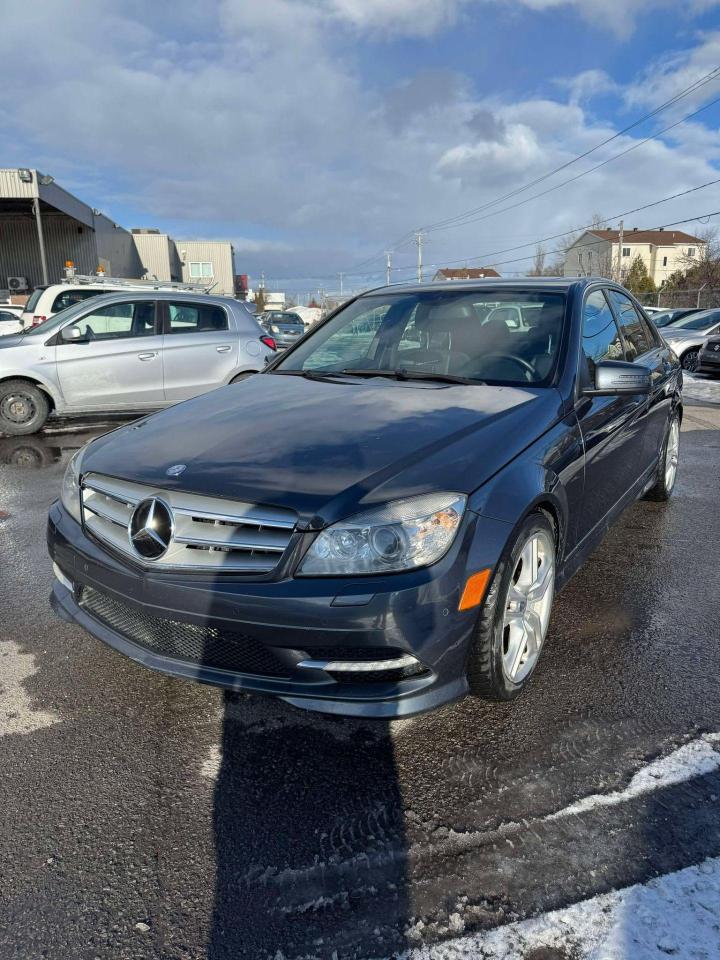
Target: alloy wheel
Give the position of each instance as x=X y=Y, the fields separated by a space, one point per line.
x=671 y=454
x=690 y=361
x=528 y=604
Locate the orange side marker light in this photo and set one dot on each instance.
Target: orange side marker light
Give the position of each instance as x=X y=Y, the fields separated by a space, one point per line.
x=472 y=595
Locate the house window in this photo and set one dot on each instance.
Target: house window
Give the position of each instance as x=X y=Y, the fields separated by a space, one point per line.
x=691 y=251
x=626 y=251
x=201 y=271
x=664 y=261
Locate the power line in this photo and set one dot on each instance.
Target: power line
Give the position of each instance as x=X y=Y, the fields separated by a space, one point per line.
x=691 y=88
x=578 y=176
x=567 y=233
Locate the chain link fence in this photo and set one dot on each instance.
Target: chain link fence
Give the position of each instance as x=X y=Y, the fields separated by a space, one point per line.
x=704 y=298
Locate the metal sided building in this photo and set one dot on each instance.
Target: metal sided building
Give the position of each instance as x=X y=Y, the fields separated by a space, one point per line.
x=42 y=226
x=208 y=261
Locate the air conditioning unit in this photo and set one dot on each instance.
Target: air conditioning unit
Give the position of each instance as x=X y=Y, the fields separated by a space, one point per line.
x=17 y=284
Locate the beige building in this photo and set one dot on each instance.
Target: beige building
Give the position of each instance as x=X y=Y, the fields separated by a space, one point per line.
x=610 y=253
x=209 y=262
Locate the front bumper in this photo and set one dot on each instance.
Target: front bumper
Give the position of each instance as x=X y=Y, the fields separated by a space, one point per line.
x=273 y=637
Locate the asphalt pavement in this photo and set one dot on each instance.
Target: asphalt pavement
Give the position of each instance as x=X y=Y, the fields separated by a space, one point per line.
x=147 y=817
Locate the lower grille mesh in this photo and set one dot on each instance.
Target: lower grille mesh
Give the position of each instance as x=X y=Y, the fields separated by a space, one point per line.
x=204 y=646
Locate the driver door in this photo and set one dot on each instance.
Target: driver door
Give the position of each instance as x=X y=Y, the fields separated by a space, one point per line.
x=117 y=363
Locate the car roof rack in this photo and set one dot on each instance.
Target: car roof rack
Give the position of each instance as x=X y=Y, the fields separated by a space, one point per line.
x=97 y=280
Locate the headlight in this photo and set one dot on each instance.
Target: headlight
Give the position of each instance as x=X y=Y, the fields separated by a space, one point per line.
x=70 y=492
x=397 y=536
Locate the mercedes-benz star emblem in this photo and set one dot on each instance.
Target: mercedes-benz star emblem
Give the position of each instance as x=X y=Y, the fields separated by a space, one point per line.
x=176 y=470
x=151 y=528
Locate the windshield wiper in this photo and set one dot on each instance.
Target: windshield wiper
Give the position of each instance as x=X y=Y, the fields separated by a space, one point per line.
x=411 y=375
x=307 y=374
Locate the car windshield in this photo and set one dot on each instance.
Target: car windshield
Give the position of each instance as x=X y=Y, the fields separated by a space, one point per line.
x=502 y=335
x=698 y=321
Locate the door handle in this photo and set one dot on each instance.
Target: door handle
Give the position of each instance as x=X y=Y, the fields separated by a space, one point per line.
x=146 y=356
x=225 y=349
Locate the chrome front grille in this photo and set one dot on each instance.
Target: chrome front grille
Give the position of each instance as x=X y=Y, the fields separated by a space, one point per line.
x=210 y=534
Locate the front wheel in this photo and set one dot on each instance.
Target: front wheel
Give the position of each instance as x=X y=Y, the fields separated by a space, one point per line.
x=515 y=615
x=689 y=360
x=667 y=467
x=23 y=408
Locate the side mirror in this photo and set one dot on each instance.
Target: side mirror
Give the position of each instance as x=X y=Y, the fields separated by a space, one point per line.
x=71 y=333
x=617 y=378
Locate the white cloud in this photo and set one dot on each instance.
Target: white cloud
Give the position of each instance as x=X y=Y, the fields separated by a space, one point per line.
x=666 y=77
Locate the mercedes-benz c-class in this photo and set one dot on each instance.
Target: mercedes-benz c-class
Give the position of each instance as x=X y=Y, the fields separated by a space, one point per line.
x=439 y=461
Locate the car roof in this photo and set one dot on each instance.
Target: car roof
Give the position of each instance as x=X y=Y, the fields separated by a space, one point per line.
x=491 y=283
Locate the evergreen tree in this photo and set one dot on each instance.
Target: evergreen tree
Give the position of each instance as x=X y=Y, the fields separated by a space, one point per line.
x=638 y=280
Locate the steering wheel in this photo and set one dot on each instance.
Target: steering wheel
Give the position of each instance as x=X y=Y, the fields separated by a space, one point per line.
x=527 y=368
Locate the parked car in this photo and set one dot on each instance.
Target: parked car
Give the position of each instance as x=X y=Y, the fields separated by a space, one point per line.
x=667 y=318
x=396 y=536
x=285 y=328
x=686 y=336
x=709 y=357
x=10 y=319
x=126 y=352
x=652 y=311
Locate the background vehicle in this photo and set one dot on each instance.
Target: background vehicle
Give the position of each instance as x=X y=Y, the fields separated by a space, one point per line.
x=132 y=351
x=666 y=318
x=285 y=328
x=397 y=538
x=686 y=336
x=10 y=319
x=709 y=357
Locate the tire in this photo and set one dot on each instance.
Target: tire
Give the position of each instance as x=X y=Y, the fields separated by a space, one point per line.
x=667 y=471
x=689 y=360
x=498 y=644
x=243 y=376
x=23 y=408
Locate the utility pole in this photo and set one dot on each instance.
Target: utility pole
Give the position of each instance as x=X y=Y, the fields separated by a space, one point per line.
x=341 y=275
x=388 y=266
x=41 y=239
x=620 y=248
x=419 y=241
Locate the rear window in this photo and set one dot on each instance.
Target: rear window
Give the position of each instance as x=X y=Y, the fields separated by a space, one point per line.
x=34 y=297
x=68 y=298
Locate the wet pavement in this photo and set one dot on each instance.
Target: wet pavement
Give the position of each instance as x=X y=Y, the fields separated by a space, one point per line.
x=146 y=817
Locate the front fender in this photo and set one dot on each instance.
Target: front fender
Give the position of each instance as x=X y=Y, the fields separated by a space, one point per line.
x=549 y=473
x=42 y=381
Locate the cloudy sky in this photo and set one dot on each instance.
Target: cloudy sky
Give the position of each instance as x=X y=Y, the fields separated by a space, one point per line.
x=315 y=134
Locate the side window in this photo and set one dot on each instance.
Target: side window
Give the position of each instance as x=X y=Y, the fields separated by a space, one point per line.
x=196 y=318
x=118 y=321
x=600 y=336
x=68 y=298
x=631 y=324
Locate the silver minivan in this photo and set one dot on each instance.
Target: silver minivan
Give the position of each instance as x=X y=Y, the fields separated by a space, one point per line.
x=132 y=351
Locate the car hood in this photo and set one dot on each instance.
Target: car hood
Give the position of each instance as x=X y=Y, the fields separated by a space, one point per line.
x=11 y=340
x=325 y=448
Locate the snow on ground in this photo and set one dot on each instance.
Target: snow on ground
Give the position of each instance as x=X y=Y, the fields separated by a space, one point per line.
x=677 y=915
x=691 y=760
x=16 y=711
x=701 y=388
